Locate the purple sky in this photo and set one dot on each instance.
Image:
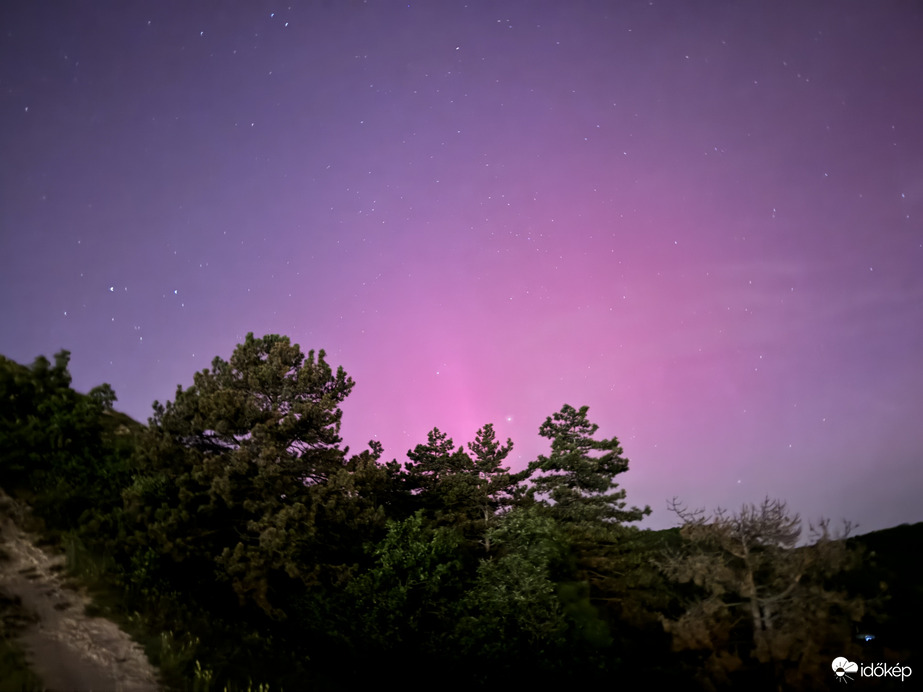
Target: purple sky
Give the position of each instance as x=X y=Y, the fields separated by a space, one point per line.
x=706 y=223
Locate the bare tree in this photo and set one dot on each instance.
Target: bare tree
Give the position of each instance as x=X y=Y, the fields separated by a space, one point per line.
x=760 y=595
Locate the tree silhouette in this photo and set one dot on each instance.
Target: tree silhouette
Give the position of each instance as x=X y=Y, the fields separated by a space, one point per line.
x=577 y=480
x=235 y=464
x=759 y=595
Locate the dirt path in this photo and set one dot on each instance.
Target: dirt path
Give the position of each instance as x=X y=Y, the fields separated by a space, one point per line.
x=66 y=648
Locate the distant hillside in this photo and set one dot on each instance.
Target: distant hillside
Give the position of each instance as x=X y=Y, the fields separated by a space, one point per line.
x=118 y=423
x=113 y=422
x=890 y=582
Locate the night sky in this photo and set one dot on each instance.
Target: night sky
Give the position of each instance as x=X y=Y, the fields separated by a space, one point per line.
x=703 y=220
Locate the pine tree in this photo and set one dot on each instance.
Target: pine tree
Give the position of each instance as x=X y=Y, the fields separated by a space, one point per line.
x=444 y=483
x=498 y=489
x=577 y=480
x=233 y=466
x=431 y=463
x=462 y=489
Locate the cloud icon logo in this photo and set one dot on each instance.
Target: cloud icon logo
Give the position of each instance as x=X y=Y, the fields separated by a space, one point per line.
x=842 y=667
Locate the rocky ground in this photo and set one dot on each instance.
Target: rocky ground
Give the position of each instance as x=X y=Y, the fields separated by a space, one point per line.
x=65 y=647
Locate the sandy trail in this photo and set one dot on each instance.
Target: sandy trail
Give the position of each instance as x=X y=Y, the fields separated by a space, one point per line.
x=67 y=649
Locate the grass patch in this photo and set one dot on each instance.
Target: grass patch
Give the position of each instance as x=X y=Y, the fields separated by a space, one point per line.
x=15 y=674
